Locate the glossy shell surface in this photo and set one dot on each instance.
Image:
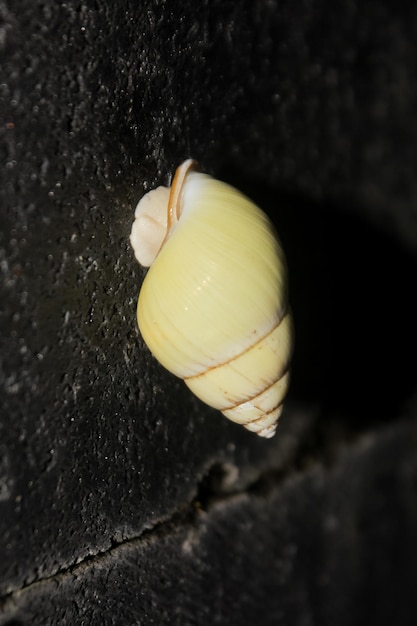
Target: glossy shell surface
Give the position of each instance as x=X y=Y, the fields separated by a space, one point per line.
x=213 y=306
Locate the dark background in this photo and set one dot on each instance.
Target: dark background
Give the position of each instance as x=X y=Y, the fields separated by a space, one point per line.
x=123 y=499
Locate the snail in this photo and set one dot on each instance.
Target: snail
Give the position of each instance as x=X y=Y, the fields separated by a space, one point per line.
x=213 y=307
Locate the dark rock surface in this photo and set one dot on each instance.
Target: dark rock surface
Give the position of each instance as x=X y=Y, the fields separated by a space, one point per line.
x=124 y=500
x=251 y=557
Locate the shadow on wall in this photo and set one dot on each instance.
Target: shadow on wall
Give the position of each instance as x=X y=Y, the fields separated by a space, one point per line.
x=352 y=291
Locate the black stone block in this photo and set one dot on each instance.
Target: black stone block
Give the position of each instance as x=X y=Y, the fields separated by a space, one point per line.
x=123 y=499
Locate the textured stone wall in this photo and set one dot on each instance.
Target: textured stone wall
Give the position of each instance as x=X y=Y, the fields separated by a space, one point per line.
x=123 y=499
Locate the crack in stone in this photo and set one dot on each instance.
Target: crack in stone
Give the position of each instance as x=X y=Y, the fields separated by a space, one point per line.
x=211 y=493
x=213 y=490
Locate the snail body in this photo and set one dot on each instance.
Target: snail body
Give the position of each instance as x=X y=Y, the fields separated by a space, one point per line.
x=213 y=306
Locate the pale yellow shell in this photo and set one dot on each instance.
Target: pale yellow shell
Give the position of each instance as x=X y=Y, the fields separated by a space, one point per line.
x=213 y=306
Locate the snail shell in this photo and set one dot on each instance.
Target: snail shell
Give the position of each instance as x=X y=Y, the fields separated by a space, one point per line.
x=213 y=306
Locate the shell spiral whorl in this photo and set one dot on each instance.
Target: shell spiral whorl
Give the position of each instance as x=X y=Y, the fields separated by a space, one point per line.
x=213 y=306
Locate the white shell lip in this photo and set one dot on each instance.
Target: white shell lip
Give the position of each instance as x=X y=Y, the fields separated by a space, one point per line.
x=156 y=215
x=150 y=225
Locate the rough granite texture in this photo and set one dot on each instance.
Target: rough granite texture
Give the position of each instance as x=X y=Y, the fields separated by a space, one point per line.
x=123 y=499
x=251 y=558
